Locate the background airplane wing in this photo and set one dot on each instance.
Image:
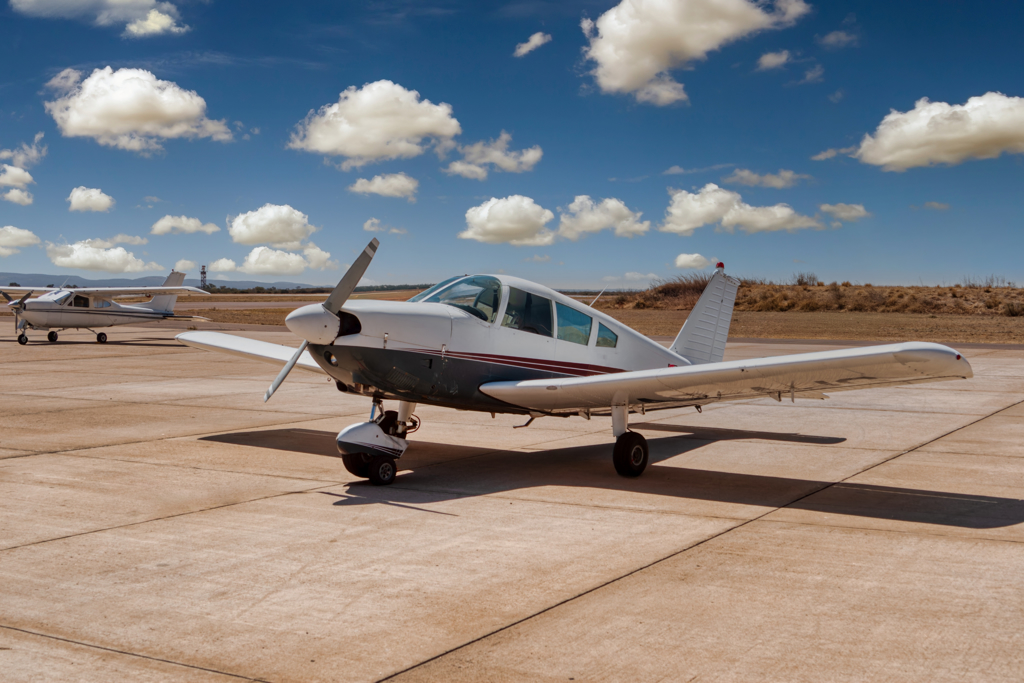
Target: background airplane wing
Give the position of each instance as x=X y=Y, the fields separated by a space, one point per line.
x=109 y=292
x=804 y=375
x=19 y=291
x=248 y=348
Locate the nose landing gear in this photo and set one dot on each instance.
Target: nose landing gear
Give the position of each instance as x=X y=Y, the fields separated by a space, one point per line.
x=369 y=449
x=23 y=339
x=51 y=336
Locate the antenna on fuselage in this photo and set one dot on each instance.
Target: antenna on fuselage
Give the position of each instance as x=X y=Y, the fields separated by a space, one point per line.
x=598 y=297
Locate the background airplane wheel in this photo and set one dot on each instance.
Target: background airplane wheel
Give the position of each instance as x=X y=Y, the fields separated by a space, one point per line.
x=357 y=464
x=382 y=470
x=52 y=336
x=22 y=339
x=101 y=337
x=631 y=454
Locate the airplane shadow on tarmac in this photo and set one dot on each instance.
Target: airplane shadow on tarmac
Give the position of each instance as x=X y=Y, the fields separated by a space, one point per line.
x=446 y=471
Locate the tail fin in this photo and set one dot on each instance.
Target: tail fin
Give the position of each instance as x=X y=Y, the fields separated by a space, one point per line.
x=702 y=338
x=165 y=302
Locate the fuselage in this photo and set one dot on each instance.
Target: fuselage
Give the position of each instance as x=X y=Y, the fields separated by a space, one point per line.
x=439 y=348
x=61 y=309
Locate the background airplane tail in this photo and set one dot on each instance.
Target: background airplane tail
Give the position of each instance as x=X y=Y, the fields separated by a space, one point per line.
x=165 y=302
x=702 y=337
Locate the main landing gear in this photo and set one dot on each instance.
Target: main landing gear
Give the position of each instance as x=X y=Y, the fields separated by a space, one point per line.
x=23 y=339
x=101 y=337
x=369 y=449
x=631 y=454
x=51 y=336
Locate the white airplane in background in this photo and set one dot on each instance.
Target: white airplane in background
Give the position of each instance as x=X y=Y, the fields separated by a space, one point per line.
x=89 y=307
x=499 y=344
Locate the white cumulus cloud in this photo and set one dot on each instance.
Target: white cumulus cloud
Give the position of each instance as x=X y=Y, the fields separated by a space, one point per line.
x=276 y=224
x=845 y=212
x=515 y=220
x=12 y=239
x=940 y=133
x=182 y=224
x=223 y=265
x=833 y=152
x=779 y=181
x=637 y=42
x=267 y=261
x=373 y=225
x=772 y=60
x=388 y=185
x=130 y=109
x=815 y=74
x=120 y=238
x=184 y=265
x=89 y=199
x=688 y=211
x=27 y=155
x=533 y=42
x=695 y=261
x=142 y=17
x=478 y=156
x=85 y=255
x=381 y=120
x=13 y=176
x=17 y=196
x=837 y=39
x=585 y=216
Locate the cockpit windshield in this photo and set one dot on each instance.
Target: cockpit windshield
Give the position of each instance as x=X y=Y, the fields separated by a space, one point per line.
x=433 y=290
x=478 y=295
x=61 y=298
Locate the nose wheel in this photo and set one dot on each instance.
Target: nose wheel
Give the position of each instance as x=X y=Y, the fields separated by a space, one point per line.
x=101 y=337
x=23 y=339
x=51 y=335
x=382 y=470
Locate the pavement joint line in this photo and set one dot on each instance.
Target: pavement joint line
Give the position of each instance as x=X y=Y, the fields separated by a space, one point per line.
x=165 y=517
x=127 y=653
x=682 y=550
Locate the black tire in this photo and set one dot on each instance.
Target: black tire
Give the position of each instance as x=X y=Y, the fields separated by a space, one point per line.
x=22 y=339
x=52 y=336
x=101 y=337
x=382 y=470
x=357 y=464
x=631 y=454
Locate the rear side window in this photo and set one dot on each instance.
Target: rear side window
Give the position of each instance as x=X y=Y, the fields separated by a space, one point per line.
x=80 y=302
x=606 y=337
x=527 y=312
x=573 y=326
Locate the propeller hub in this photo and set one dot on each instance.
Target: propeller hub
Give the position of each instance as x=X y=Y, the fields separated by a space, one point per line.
x=314 y=323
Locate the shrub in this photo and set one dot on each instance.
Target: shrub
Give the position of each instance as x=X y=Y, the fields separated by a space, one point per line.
x=846 y=283
x=805 y=279
x=1013 y=309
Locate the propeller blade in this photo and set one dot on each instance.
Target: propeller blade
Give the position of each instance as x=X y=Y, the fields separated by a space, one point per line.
x=349 y=281
x=285 y=370
x=7 y=296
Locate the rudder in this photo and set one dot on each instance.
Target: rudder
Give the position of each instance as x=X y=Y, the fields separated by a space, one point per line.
x=165 y=302
x=703 y=335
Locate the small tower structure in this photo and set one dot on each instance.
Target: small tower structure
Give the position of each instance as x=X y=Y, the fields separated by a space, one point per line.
x=202 y=278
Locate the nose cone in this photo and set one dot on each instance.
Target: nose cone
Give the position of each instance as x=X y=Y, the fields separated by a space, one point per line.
x=314 y=323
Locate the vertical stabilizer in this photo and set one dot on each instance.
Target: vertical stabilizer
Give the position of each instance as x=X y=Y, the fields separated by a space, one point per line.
x=165 y=302
x=702 y=338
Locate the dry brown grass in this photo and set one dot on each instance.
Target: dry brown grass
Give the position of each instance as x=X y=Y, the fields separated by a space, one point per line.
x=769 y=297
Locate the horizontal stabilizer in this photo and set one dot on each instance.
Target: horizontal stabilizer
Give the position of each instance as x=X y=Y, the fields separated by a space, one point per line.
x=248 y=348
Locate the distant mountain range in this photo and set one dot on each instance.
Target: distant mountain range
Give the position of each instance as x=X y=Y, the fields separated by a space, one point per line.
x=39 y=280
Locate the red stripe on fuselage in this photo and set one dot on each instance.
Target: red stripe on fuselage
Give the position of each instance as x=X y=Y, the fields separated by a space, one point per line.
x=562 y=367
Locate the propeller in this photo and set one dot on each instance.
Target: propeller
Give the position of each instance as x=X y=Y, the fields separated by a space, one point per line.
x=321 y=321
x=18 y=306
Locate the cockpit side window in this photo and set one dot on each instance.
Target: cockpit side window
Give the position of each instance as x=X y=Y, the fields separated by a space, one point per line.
x=573 y=325
x=100 y=303
x=527 y=312
x=478 y=295
x=81 y=301
x=606 y=338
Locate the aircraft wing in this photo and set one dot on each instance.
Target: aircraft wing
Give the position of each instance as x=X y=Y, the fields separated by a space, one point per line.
x=804 y=375
x=136 y=291
x=248 y=348
x=20 y=291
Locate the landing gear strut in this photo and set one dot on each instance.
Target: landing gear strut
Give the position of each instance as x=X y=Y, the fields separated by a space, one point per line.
x=369 y=449
x=631 y=454
x=51 y=335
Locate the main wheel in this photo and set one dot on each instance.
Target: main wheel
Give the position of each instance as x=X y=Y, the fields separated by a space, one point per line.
x=23 y=339
x=101 y=337
x=631 y=454
x=357 y=464
x=51 y=335
x=382 y=470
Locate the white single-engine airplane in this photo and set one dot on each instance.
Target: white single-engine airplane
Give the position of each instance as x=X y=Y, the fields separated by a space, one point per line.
x=89 y=307
x=498 y=344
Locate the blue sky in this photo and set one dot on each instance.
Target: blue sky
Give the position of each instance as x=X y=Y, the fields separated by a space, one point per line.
x=932 y=196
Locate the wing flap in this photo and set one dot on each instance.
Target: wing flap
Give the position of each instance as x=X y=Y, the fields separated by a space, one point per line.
x=247 y=348
x=800 y=374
